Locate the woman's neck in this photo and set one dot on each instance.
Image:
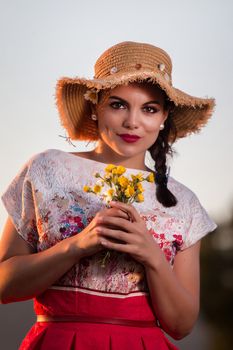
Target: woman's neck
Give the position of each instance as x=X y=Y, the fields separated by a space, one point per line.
x=135 y=162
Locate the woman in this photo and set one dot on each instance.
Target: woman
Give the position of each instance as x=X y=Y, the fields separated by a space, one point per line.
x=57 y=234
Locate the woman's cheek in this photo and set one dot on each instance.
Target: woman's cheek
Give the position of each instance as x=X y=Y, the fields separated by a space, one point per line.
x=152 y=126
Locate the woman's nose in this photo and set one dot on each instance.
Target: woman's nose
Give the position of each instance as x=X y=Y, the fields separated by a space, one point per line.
x=131 y=120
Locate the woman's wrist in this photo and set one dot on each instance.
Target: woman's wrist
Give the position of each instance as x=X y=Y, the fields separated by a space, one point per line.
x=70 y=249
x=155 y=261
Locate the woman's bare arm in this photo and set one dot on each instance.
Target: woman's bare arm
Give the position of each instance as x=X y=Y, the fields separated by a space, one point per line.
x=175 y=293
x=23 y=273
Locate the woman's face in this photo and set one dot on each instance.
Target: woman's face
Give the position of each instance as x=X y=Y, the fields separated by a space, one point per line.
x=134 y=109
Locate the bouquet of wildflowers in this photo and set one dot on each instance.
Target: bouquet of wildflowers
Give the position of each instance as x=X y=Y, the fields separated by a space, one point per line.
x=119 y=188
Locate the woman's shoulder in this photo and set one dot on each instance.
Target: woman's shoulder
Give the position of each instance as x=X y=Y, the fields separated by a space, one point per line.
x=198 y=221
x=50 y=156
x=47 y=154
x=58 y=164
x=183 y=193
x=42 y=161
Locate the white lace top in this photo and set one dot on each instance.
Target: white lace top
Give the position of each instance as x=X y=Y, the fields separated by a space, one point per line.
x=47 y=203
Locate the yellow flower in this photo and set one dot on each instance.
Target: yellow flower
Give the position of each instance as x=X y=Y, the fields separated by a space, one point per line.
x=133 y=177
x=138 y=177
x=139 y=198
x=109 y=168
x=129 y=191
x=114 y=178
x=123 y=181
x=139 y=187
x=86 y=188
x=150 y=178
x=120 y=170
x=97 y=188
x=110 y=192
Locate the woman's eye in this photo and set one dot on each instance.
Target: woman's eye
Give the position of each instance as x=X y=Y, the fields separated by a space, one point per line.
x=150 y=109
x=117 y=105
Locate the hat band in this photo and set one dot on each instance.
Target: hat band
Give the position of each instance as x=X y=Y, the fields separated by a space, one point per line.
x=134 y=70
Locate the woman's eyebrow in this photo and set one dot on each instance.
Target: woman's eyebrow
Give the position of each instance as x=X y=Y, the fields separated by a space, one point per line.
x=154 y=101
x=117 y=98
x=121 y=99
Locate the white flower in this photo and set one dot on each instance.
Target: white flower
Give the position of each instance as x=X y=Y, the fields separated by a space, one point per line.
x=99 y=182
x=91 y=95
x=108 y=195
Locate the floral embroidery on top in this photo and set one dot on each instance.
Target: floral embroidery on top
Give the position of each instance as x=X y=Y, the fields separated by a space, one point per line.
x=168 y=246
x=70 y=224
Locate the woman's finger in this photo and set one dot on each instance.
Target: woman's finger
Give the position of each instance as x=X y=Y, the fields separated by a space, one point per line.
x=118 y=222
x=114 y=235
x=117 y=212
x=124 y=248
x=128 y=208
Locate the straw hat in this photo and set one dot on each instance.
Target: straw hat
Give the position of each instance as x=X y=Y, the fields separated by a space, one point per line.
x=120 y=64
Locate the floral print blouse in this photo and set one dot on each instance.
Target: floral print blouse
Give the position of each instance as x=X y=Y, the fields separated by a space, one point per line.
x=47 y=204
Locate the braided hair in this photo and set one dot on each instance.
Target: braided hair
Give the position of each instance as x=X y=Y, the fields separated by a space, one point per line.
x=158 y=152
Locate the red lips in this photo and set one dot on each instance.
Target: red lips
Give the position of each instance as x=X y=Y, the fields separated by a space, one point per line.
x=129 y=137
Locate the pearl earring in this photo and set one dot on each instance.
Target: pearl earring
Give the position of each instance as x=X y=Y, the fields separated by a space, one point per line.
x=94 y=117
x=161 y=127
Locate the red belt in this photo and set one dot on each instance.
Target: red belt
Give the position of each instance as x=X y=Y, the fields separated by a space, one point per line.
x=94 y=319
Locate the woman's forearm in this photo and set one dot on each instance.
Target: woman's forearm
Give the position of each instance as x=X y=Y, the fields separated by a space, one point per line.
x=175 y=307
x=25 y=276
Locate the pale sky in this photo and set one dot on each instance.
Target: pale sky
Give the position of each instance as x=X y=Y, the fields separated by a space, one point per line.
x=44 y=40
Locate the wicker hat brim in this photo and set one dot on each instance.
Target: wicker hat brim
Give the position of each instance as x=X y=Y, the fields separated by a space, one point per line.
x=190 y=113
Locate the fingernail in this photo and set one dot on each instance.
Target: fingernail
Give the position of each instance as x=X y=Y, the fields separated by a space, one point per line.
x=103 y=242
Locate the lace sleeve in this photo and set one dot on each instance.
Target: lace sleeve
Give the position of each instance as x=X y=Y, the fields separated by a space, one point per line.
x=19 y=203
x=200 y=224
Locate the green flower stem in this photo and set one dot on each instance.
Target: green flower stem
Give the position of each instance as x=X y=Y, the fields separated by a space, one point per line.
x=106 y=257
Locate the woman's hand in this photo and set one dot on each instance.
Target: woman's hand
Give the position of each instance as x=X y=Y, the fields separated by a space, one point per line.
x=88 y=241
x=132 y=237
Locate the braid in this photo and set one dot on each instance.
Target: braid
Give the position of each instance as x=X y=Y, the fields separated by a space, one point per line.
x=159 y=151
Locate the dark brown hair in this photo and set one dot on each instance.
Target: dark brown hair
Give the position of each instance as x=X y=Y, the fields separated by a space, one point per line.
x=159 y=151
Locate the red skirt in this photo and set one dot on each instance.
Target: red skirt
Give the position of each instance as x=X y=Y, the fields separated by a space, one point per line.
x=92 y=335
